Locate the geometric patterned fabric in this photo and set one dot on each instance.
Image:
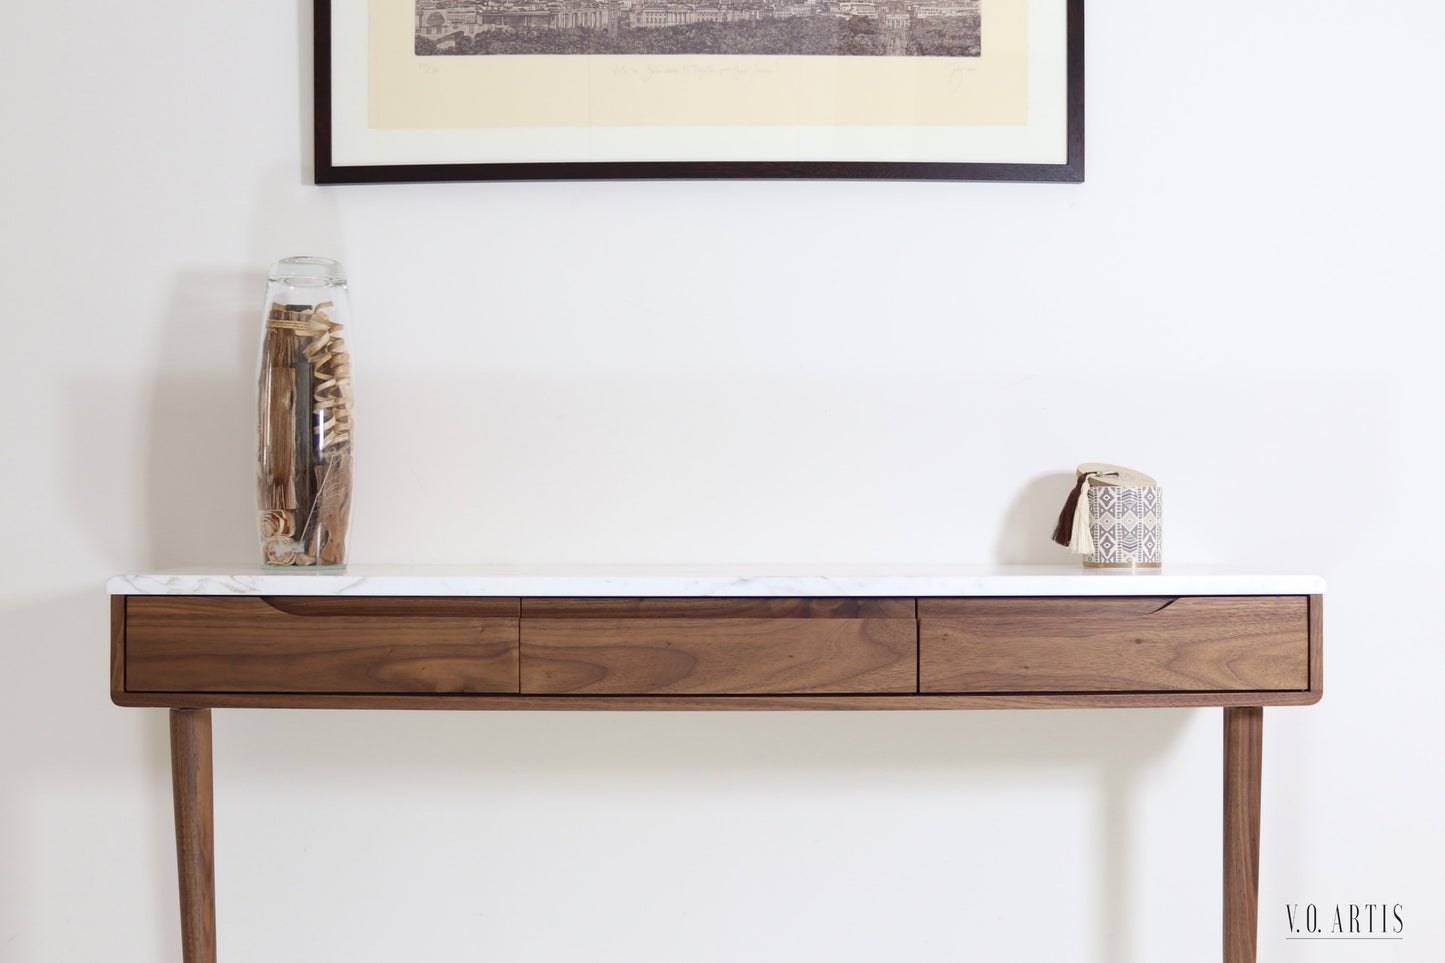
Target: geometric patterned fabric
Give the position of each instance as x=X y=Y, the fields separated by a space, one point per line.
x=1127 y=524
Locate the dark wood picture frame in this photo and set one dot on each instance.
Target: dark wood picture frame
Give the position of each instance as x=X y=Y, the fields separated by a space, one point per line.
x=329 y=171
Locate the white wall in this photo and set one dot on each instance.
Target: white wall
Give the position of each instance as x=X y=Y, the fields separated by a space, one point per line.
x=732 y=372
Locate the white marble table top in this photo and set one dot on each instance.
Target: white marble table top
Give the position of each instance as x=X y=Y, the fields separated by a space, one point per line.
x=760 y=581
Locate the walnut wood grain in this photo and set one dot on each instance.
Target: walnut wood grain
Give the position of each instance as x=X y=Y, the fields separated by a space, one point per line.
x=733 y=656
x=247 y=644
x=400 y=606
x=1027 y=607
x=1045 y=645
x=1243 y=766
x=1317 y=645
x=719 y=608
x=325 y=690
x=195 y=860
x=117 y=643
x=711 y=703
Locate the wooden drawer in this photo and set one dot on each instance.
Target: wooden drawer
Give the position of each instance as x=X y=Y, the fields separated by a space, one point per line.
x=320 y=644
x=1144 y=644
x=718 y=646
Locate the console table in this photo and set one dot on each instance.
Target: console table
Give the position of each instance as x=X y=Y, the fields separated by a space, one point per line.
x=1002 y=638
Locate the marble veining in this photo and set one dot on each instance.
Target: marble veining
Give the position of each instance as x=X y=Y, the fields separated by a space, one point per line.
x=720 y=582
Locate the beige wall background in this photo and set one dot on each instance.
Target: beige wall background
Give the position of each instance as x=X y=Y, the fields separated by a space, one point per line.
x=1243 y=300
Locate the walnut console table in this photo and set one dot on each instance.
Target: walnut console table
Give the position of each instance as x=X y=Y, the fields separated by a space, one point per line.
x=548 y=639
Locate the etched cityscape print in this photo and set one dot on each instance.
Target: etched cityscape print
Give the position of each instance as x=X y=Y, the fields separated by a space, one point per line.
x=833 y=28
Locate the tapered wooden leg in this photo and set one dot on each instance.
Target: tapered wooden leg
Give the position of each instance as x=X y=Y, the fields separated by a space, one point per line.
x=195 y=848
x=1243 y=754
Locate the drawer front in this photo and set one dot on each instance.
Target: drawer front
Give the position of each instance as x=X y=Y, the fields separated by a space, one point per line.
x=320 y=645
x=1146 y=644
x=719 y=646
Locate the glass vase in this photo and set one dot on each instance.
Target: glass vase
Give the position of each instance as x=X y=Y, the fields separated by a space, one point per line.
x=305 y=426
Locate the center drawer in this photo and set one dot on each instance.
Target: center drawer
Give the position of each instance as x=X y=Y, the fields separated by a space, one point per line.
x=718 y=646
x=305 y=644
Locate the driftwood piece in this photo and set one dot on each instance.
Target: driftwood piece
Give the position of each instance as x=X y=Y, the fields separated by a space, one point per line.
x=334 y=501
x=278 y=426
x=305 y=451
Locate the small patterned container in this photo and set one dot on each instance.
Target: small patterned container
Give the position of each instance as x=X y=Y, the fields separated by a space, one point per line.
x=1126 y=524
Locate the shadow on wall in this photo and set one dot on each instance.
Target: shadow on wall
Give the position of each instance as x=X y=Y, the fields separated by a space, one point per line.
x=200 y=466
x=1028 y=526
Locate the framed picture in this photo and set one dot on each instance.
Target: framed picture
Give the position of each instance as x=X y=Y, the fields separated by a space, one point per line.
x=433 y=90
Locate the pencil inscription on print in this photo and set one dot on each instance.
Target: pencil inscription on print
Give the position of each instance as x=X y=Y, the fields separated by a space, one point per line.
x=828 y=28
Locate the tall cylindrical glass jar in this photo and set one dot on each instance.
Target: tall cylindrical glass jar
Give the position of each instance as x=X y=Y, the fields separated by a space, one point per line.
x=304 y=430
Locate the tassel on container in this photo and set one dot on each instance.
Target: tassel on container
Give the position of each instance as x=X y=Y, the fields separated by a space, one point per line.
x=1114 y=518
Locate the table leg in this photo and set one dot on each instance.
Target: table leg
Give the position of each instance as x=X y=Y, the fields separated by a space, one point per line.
x=1243 y=753
x=195 y=849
